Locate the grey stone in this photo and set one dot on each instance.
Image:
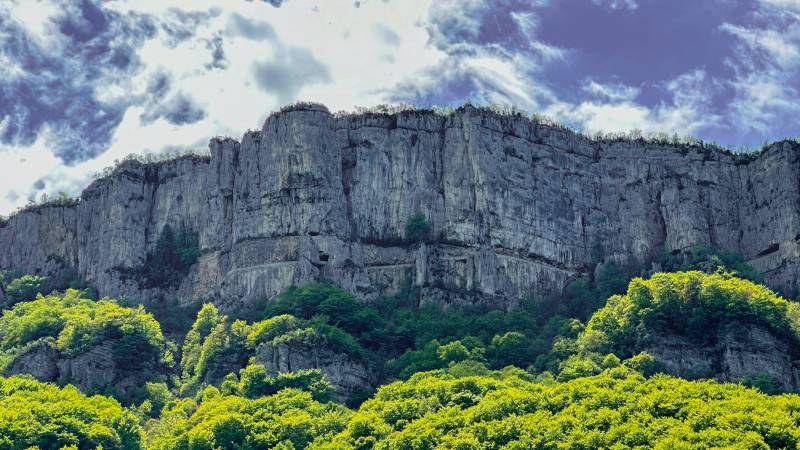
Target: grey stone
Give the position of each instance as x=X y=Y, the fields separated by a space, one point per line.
x=94 y=369
x=38 y=359
x=739 y=352
x=345 y=373
x=515 y=208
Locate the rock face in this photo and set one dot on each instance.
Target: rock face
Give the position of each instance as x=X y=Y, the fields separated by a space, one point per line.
x=39 y=359
x=345 y=373
x=94 y=369
x=515 y=208
x=739 y=352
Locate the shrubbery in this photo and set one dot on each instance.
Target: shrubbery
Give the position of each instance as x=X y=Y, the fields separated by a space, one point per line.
x=290 y=419
x=215 y=344
x=24 y=287
x=76 y=324
x=41 y=415
x=417 y=228
x=618 y=409
x=690 y=304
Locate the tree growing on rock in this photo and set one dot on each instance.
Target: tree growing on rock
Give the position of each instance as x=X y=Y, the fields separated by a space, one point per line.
x=417 y=228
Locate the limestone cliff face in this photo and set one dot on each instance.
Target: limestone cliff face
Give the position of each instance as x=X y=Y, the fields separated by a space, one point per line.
x=739 y=352
x=515 y=209
x=94 y=369
x=346 y=374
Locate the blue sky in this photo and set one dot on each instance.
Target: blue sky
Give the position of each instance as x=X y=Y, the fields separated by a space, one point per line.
x=86 y=82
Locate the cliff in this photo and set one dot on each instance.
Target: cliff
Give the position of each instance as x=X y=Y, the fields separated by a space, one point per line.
x=515 y=207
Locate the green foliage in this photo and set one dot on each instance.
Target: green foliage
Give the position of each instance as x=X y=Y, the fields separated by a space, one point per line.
x=709 y=259
x=43 y=416
x=764 y=382
x=417 y=227
x=584 y=297
x=690 y=304
x=172 y=257
x=24 y=288
x=512 y=348
x=76 y=323
x=644 y=363
x=617 y=409
x=158 y=394
x=338 y=306
x=213 y=346
x=269 y=329
x=291 y=419
x=256 y=382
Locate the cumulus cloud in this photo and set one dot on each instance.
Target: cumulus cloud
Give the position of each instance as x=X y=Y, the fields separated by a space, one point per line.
x=179 y=109
x=52 y=66
x=386 y=34
x=239 y=25
x=289 y=71
x=685 y=108
x=452 y=22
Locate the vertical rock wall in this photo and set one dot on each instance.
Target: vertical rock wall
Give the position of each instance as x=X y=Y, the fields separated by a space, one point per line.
x=515 y=208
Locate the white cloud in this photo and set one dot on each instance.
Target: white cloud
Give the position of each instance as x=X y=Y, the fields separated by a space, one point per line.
x=612 y=92
x=614 y=109
x=340 y=38
x=218 y=70
x=780 y=46
x=766 y=66
x=618 y=4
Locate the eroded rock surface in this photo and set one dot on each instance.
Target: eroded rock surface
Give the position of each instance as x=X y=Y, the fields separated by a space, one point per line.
x=739 y=352
x=93 y=370
x=515 y=209
x=346 y=374
x=39 y=359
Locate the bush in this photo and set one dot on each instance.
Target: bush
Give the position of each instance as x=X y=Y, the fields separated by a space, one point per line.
x=616 y=409
x=77 y=324
x=417 y=228
x=690 y=304
x=255 y=382
x=290 y=419
x=24 y=288
x=41 y=415
x=710 y=260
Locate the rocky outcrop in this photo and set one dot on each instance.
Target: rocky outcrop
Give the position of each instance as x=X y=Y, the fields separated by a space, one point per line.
x=39 y=359
x=345 y=373
x=94 y=370
x=515 y=209
x=738 y=352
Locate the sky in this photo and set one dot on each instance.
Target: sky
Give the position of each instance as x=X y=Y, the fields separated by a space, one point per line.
x=83 y=83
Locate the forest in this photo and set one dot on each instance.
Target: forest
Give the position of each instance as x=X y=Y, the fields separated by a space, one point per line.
x=570 y=373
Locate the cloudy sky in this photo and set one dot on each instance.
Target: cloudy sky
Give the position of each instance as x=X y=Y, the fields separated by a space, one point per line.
x=83 y=83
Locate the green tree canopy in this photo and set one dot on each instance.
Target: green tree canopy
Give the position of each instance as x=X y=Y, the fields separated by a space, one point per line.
x=43 y=416
x=691 y=304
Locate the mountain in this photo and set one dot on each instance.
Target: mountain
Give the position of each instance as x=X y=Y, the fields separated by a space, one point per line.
x=511 y=207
